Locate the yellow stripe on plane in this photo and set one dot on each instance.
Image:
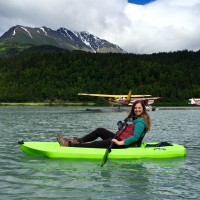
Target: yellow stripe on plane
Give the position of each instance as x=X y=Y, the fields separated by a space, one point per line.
x=112 y=95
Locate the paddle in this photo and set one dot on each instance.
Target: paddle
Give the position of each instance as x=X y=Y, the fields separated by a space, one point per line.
x=108 y=150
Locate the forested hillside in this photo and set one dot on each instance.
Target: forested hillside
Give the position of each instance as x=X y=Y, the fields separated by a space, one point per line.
x=49 y=75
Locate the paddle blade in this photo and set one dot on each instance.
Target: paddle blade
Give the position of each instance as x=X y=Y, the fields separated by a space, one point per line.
x=105 y=157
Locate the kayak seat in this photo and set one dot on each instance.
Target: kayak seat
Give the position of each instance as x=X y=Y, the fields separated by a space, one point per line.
x=139 y=142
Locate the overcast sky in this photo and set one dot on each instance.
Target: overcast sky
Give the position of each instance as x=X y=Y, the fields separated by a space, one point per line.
x=159 y=26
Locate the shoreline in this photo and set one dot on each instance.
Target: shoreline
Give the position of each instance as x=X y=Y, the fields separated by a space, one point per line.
x=93 y=104
x=46 y=104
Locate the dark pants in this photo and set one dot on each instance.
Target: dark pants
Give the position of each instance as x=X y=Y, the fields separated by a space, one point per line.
x=104 y=134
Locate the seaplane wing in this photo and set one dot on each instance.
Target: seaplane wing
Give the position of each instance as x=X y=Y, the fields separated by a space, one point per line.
x=195 y=101
x=113 y=95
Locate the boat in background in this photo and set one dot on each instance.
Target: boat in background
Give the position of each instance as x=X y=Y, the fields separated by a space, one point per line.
x=195 y=101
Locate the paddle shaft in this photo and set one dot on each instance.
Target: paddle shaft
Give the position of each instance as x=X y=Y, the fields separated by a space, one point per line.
x=108 y=150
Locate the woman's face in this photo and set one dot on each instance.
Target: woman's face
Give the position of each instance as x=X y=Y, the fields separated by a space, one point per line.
x=138 y=109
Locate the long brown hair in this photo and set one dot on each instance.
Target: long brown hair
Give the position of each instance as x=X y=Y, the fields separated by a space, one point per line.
x=144 y=114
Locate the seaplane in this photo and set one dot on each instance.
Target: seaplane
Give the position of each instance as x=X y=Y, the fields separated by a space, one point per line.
x=194 y=101
x=129 y=99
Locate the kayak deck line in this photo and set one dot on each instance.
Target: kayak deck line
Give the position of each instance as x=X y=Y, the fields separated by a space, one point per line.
x=146 y=150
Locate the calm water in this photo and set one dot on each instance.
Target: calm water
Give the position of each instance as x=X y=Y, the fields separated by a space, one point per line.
x=25 y=177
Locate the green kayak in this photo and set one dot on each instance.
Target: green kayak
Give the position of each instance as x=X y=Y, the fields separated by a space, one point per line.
x=146 y=150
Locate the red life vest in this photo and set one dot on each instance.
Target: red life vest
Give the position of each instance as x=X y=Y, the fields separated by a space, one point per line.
x=126 y=132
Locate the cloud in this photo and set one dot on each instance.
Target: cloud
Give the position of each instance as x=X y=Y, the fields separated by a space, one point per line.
x=163 y=25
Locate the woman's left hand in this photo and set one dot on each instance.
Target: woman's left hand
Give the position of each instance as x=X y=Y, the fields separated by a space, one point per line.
x=118 y=142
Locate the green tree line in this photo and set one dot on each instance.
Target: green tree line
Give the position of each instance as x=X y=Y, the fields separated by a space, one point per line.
x=38 y=76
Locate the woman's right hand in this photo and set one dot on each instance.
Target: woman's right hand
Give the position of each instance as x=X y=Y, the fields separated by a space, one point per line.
x=118 y=142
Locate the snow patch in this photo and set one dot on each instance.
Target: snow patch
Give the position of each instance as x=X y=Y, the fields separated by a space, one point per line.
x=86 y=42
x=27 y=31
x=43 y=31
x=68 y=34
x=75 y=33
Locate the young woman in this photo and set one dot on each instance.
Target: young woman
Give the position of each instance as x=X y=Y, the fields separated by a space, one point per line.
x=124 y=138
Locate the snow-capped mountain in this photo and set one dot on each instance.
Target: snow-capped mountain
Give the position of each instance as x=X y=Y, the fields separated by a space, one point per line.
x=62 y=38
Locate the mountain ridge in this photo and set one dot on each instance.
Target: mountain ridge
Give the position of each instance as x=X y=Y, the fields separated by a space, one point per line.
x=62 y=38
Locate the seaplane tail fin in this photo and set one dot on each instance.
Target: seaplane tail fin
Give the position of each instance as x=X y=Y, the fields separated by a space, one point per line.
x=129 y=95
